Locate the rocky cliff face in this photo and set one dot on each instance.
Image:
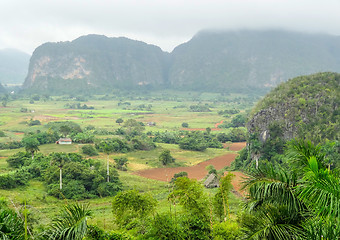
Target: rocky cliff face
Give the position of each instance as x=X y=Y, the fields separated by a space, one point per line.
x=231 y=61
x=304 y=107
x=95 y=62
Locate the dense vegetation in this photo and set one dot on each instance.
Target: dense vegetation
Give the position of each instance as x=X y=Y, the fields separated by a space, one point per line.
x=293 y=195
x=304 y=107
x=297 y=200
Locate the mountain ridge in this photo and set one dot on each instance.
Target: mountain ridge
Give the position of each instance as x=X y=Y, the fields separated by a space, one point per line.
x=229 y=61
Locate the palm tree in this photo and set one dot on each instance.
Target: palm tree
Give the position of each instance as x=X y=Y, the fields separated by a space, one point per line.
x=31 y=145
x=71 y=224
x=107 y=149
x=59 y=159
x=11 y=225
x=303 y=201
x=275 y=210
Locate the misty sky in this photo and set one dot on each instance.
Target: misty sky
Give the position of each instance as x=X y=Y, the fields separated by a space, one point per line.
x=26 y=24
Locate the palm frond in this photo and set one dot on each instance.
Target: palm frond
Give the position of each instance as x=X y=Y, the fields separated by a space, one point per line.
x=321 y=190
x=273 y=222
x=274 y=186
x=71 y=224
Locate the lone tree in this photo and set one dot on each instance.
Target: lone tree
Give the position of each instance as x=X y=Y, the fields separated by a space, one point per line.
x=119 y=121
x=166 y=157
x=31 y=145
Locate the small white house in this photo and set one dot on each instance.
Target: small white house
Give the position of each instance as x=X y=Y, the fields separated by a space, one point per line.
x=64 y=141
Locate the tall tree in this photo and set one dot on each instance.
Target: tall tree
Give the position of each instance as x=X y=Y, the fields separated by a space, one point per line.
x=59 y=159
x=107 y=148
x=31 y=145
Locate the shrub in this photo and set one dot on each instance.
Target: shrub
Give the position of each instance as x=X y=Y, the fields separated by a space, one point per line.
x=14 y=179
x=108 y=189
x=177 y=175
x=18 y=160
x=226 y=230
x=166 y=158
x=121 y=163
x=74 y=189
x=185 y=125
x=89 y=150
x=33 y=122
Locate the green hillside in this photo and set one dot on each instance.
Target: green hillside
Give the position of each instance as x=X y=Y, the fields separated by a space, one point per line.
x=226 y=61
x=95 y=63
x=305 y=107
x=250 y=60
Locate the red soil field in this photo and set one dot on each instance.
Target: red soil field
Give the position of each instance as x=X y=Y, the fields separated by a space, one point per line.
x=236 y=146
x=198 y=171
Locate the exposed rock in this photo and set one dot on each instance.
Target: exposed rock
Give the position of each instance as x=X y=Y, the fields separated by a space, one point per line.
x=303 y=107
x=226 y=61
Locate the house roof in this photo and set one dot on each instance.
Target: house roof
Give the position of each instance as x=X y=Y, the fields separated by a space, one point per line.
x=65 y=140
x=212 y=179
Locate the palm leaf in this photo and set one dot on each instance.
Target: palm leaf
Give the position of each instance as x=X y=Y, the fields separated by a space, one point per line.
x=273 y=222
x=321 y=190
x=272 y=185
x=71 y=224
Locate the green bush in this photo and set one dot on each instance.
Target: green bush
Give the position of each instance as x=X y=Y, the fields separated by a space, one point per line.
x=18 y=159
x=226 y=231
x=108 y=189
x=89 y=150
x=166 y=158
x=14 y=179
x=74 y=189
x=33 y=122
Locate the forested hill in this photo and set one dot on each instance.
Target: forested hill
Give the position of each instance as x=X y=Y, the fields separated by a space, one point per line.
x=95 y=62
x=226 y=61
x=306 y=107
x=244 y=60
x=13 y=66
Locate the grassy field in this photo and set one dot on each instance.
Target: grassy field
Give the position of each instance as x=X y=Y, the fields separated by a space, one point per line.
x=168 y=110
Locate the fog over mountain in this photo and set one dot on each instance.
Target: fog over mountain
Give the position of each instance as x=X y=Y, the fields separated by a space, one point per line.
x=27 y=24
x=13 y=66
x=228 y=61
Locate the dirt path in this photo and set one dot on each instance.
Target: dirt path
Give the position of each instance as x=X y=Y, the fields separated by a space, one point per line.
x=198 y=171
x=217 y=124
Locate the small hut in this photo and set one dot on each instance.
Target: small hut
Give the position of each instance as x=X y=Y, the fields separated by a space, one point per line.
x=211 y=181
x=64 y=141
x=151 y=124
